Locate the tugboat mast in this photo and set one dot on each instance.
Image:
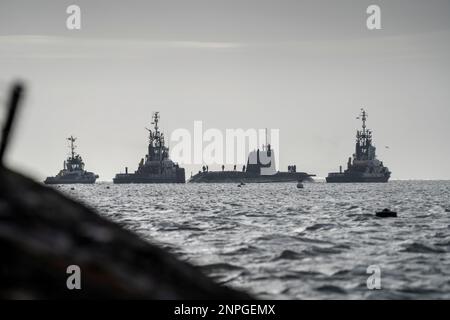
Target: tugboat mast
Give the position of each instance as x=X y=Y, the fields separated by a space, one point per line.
x=364 y=148
x=72 y=145
x=156 y=145
x=155 y=122
x=364 y=116
x=155 y=135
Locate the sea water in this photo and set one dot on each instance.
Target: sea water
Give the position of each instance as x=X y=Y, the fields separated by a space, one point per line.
x=278 y=241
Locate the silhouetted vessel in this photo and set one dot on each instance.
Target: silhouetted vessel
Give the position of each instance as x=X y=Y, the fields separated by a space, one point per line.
x=73 y=170
x=157 y=167
x=365 y=167
x=260 y=169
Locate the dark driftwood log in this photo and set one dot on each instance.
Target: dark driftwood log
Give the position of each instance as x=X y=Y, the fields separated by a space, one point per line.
x=42 y=232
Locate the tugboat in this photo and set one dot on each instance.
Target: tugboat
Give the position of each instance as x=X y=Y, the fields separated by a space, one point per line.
x=157 y=166
x=260 y=169
x=365 y=167
x=73 y=170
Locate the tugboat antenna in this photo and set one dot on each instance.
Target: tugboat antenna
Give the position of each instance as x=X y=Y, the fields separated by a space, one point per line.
x=155 y=121
x=72 y=146
x=267 y=143
x=364 y=116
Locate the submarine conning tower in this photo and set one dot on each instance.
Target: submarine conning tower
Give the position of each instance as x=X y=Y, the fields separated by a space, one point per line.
x=261 y=161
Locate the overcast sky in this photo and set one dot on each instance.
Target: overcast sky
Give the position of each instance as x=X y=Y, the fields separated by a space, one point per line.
x=304 y=67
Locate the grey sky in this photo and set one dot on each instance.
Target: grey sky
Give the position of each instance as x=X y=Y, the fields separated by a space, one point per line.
x=305 y=67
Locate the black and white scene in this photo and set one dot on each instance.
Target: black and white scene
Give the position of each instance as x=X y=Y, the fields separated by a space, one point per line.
x=241 y=150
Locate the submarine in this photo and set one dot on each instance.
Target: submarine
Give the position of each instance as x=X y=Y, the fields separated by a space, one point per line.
x=260 y=168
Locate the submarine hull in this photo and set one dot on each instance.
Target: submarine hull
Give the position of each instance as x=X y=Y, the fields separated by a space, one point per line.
x=246 y=177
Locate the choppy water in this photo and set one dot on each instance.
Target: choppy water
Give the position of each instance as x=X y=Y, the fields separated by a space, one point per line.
x=277 y=241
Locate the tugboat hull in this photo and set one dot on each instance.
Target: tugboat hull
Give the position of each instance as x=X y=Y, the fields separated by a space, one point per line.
x=126 y=180
x=123 y=178
x=355 y=179
x=53 y=180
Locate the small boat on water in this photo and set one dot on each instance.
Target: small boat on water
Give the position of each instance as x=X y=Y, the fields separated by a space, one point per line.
x=73 y=170
x=364 y=167
x=157 y=166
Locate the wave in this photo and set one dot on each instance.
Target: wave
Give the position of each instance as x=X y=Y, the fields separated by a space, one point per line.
x=318 y=251
x=311 y=240
x=318 y=226
x=214 y=267
x=331 y=289
x=303 y=275
x=310 y=252
x=288 y=255
x=242 y=250
x=422 y=248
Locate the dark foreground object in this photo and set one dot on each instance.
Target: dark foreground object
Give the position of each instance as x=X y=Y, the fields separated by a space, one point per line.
x=42 y=233
x=386 y=213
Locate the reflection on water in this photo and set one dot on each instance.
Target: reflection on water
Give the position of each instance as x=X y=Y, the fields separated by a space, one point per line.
x=277 y=241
